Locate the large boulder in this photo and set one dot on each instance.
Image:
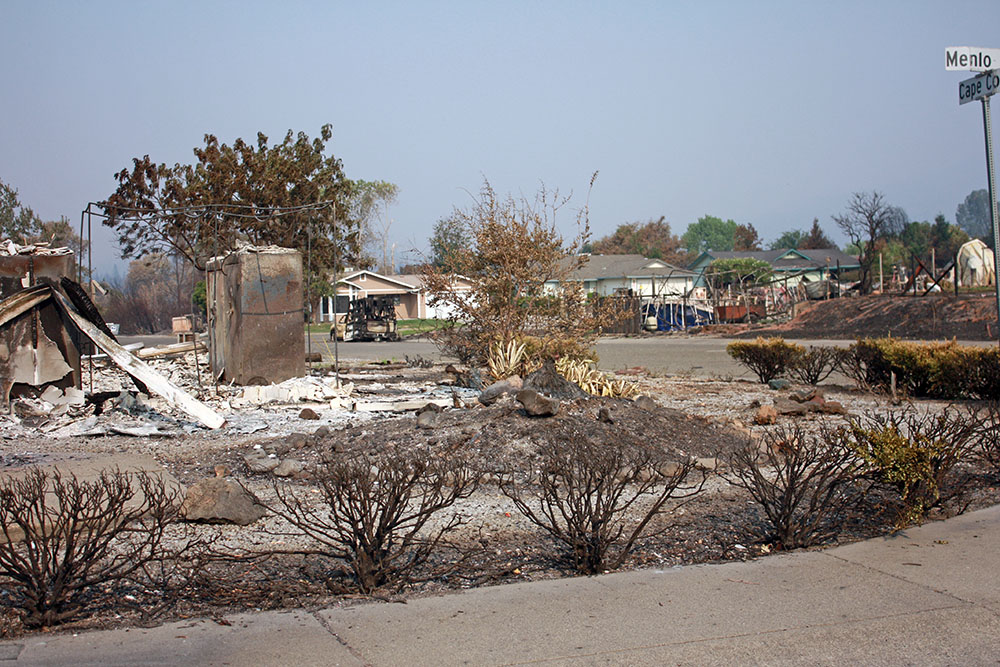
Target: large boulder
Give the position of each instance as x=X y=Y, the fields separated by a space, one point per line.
x=492 y=393
x=221 y=500
x=547 y=380
x=537 y=405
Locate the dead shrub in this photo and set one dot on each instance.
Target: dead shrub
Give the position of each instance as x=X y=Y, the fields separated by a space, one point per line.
x=515 y=255
x=377 y=506
x=597 y=499
x=988 y=435
x=915 y=453
x=804 y=484
x=768 y=358
x=816 y=364
x=62 y=536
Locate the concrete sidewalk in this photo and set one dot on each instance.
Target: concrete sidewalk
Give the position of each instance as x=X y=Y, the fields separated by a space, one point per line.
x=928 y=596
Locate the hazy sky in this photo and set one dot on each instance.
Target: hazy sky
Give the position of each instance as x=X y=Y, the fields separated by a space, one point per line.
x=771 y=113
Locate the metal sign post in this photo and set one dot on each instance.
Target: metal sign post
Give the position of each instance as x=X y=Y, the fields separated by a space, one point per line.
x=990 y=177
x=981 y=88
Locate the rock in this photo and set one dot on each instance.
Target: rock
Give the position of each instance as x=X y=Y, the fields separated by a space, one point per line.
x=221 y=500
x=537 y=405
x=289 y=468
x=766 y=414
x=547 y=380
x=259 y=462
x=831 y=408
x=786 y=407
x=671 y=469
x=428 y=420
x=221 y=471
x=604 y=415
x=511 y=385
x=470 y=379
x=296 y=441
x=429 y=416
x=308 y=413
x=706 y=463
x=778 y=383
x=322 y=432
x=812 y=394
x=645 y=403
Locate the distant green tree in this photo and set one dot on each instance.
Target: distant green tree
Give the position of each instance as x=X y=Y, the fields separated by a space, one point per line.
x=746 y=238
x=449 y=237
x=973 y=215
x=710 y=233
x=17 y=223
x=896 y=221
x=816 y=238
x=916 y=238
x=370 y=202
x=947 y=238
x=790 y=239
x=741 y=271
x=651 y=239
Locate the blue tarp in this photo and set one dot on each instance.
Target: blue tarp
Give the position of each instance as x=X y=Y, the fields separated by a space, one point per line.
x=673 y=316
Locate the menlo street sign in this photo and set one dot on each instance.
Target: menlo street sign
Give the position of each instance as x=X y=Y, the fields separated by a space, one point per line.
x=971 y=58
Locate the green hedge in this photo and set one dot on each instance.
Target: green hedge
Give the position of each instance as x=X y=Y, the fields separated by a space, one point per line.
x=944 y=370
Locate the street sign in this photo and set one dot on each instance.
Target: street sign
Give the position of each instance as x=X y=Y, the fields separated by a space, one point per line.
x=971 y=58
x=978 y=87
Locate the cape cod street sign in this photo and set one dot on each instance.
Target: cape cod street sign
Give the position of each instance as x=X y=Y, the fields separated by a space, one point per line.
x=978 y=87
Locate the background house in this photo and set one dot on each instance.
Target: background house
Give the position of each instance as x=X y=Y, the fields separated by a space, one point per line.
x=407 y=292
x=796 y=266
x=608 y=275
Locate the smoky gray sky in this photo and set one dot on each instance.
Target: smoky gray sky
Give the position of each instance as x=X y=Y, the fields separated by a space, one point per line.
x=770 y=113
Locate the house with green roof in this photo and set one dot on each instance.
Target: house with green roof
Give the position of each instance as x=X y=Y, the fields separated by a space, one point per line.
x=610 y=275
x=789 y=265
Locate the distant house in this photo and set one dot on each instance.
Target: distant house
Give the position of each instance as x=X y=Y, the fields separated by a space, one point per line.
x=608 y=275
x=407 y=292
x=796 y=266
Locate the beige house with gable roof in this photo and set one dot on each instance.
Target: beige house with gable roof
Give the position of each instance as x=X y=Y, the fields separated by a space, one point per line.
x=407 y=292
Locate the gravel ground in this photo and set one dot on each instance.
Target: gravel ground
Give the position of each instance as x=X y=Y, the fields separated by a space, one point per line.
x=691 y=417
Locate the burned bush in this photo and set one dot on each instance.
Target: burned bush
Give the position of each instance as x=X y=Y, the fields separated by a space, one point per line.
x=804 y=484
x=914 y=453
x=597 y=499
x=62 y=536
x=377 y=506
x=816 y=364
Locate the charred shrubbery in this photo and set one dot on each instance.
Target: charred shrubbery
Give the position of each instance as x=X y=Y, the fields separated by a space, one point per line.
x=816 y=364
x=914 y=453
x=597 y=499
x=989 y=435
x=62 y=536
x=804 y=484
x=377 y=508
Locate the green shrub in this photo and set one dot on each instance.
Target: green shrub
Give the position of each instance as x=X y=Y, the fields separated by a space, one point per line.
x=914 y=453
x=768 y=358
x=944 y=370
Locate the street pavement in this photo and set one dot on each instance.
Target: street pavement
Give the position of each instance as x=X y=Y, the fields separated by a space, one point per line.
x=927 y=596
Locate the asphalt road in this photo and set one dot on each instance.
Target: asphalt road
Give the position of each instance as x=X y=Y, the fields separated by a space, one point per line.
x=700 y=356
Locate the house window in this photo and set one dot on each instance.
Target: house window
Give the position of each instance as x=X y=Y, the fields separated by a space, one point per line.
x=362 y=278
